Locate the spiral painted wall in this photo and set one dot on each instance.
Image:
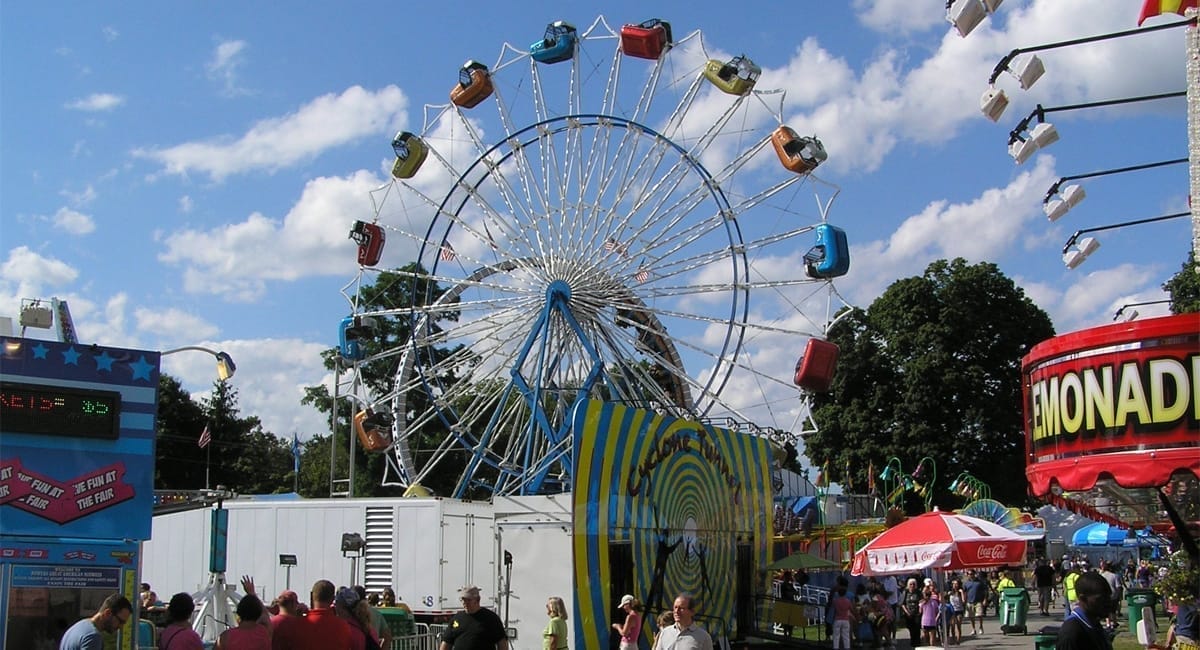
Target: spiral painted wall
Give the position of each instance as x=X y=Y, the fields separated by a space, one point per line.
x=684 y=496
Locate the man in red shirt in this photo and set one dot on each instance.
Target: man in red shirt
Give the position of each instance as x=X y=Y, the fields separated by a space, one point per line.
x=288 y=627
x=323 y=629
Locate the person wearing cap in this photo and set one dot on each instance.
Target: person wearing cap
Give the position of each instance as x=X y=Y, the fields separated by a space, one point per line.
x=475 y=628
x=287 y=627
x=178 y=634
x=357 y=614
x=379 y=625
x=1083 y=630
x=631 y=629
x=684 y=634
x=323 y=629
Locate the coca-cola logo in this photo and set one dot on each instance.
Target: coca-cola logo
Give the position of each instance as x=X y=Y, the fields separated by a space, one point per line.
x=997 y=552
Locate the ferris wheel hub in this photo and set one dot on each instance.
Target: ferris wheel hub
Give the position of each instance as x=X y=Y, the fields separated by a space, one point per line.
x=558 y=290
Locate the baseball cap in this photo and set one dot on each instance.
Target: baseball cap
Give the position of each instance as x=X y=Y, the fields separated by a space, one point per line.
x=346 y=597
x=626 y=599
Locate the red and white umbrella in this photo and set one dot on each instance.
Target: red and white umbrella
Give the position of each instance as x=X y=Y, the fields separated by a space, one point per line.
x=939 y=540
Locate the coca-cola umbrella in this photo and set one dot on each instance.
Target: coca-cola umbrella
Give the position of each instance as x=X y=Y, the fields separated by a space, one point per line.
x=939 y=540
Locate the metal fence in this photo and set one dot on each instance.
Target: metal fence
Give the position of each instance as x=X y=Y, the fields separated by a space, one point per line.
x=426 y=638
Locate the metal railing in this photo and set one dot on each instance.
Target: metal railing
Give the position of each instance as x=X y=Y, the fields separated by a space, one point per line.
x=426 y=638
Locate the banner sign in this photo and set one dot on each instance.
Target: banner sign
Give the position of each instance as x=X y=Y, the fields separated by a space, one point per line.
x=1110 y=399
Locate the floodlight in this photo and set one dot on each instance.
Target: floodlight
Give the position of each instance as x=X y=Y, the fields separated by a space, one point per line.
x=352 y=543
x=965 y=15
x=1071 y=196
x=1029 y=71
x=1083 y=249
x=993 y=102
x=1021 y=150
x=1044 y=135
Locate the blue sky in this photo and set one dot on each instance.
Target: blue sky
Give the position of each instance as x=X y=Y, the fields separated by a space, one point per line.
x=187 y=173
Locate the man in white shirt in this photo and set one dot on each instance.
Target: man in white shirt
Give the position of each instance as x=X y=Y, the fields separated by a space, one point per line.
x=684 y=634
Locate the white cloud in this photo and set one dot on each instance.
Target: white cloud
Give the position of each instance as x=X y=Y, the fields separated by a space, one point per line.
x=110 y=33
x=227 y=58
x=902 y=16
x=186 y=204
x=229 y=260
x=97 y=102
x=75 y=223
x=273 y=144
x=29 y=274
x=173 y=323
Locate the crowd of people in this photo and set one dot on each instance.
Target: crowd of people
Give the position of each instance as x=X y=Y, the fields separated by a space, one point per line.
x=876 y=609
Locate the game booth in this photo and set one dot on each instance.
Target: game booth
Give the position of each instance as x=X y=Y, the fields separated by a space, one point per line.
x=77 y=434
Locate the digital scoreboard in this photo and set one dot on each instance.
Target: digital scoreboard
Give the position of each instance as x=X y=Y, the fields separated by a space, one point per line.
x=60 y=411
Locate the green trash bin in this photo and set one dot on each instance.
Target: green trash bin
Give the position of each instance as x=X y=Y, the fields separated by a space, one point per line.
x=1014 y=606
x=1135 y=600
x=1046 y=638
x=400 y=621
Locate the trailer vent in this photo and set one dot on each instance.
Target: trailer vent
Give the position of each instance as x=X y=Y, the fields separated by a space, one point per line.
x=377 y=556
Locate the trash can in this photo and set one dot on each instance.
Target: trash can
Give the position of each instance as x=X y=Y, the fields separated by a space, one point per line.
x=1014 y=606
x=400 y=621
x=1135 y=600
x=1047 y=638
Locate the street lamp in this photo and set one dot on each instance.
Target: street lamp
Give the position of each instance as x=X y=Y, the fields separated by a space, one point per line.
x=1071 y=195
x=1133 y=313
x=966 y=15
x=1088 y=245
x=1029 y=70
x=225 y=365
x=1023 y=141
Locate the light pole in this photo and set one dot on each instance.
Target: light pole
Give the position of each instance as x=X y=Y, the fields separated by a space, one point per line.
x=225 y=365
x=1088 y=245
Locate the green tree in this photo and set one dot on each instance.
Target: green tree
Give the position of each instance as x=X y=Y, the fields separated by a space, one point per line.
x=244 y=458
x=399 y=290
x=179 y=461
x=932 y=368
x=1184 y=287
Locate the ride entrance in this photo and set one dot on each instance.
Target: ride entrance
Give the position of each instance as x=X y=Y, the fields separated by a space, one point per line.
x=605 y=214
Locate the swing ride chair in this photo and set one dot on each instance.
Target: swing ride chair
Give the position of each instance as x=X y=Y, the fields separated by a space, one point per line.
x=605 y=244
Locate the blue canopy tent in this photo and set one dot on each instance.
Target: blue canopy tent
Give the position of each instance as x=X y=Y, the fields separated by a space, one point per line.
x=1100 y=534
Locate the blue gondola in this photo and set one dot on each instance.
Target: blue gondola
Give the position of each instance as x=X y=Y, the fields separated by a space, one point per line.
x=352 y=330
x=830 y=257
x=558 y=44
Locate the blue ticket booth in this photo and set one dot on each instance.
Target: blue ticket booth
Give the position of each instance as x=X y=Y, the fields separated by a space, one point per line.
x=77 y=434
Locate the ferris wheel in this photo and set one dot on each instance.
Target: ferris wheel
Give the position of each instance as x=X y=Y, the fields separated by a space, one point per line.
x=591 y=217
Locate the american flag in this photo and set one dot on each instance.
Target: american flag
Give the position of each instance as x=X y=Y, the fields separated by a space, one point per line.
x=448 y=253
x=643 y=273
x=205 y=438
x=613 y=246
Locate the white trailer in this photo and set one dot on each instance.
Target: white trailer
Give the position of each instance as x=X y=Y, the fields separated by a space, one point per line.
x=536 y=532
x=424 y=548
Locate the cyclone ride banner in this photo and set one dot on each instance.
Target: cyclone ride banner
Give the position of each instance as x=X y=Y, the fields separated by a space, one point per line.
x=686 y=499
x=1121 y=400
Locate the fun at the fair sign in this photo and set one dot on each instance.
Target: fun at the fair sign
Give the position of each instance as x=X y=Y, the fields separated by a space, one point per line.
x=77 y=458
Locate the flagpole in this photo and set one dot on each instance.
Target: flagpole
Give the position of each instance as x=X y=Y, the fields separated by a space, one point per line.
x=207 y=462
